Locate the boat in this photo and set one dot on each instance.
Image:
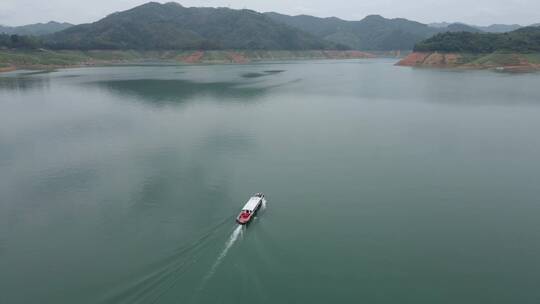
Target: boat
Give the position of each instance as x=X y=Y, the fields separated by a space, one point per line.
x=250 y=209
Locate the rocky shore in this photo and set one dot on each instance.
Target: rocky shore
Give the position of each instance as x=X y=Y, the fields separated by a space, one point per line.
x=511 y=62
x=11 y=59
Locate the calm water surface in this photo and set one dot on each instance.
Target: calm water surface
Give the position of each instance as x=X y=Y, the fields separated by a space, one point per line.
x=384 y=185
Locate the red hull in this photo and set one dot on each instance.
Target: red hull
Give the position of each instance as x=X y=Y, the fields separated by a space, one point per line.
x=244 y=220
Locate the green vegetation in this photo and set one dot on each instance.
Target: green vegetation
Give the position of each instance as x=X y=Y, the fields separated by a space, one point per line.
x=43 y=58
x=170 y=26
x=27 y=58
x=19 y=42
x=374 y=33
x=497 y=59
x=37 y=58
x=503 y=61
x=533 y=58
x=158 y=27
x=466 y=58
x=37 y=29
x=525 y=40
x=155 y=26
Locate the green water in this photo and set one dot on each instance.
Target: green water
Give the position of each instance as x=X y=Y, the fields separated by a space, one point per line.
x=384 y=185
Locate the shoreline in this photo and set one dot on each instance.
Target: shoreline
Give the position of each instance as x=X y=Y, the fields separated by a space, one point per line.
x=46 y=60
x=503 y=62
x=7 y=69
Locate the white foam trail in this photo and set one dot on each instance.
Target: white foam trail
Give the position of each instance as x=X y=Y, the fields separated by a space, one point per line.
x=264 y=204
x=232 y=239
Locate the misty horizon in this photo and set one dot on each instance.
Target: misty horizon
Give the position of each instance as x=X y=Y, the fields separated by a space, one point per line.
x=12 y=15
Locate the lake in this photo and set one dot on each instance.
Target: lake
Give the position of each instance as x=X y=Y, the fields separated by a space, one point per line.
x=385 y=184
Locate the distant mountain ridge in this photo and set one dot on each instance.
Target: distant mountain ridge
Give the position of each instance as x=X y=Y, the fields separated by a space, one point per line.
x=460 y=27
x=172 y=26
x=155 y=26
x=499 y=28
x=523 y=40
x=37 y=29
x=374 y=32
x=494 y=28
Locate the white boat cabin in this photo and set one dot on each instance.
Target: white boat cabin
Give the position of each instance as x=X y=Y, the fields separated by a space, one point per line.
x=253 y=204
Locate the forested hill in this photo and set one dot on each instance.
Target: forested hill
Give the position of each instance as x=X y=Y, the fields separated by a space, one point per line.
x=371 y=33
x=524 y=40
x=172 y=26
x=37 y=29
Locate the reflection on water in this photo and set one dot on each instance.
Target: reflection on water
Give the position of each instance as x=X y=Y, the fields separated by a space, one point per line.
x=23 y=82
x=274 y=71
x=162 y=92
x=265 y=73
x=229 y=142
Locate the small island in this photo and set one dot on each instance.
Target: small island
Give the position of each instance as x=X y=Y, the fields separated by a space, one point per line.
x=517 y=51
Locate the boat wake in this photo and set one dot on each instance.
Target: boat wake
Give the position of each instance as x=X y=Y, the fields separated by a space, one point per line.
x=163 y=275
x=235 y=235
x=232 y=239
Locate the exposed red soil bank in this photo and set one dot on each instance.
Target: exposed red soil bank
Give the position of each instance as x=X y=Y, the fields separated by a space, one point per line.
x=7 y=69
x=237 y=58
x=430 y=60
x=195 y=57
x=498 y=61
x=240 y=57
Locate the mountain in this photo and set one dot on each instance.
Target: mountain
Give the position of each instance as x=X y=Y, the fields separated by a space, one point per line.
x=372 y=33
x=155 y=26
x=439 y=24
x=499 y=28
x=37 y=29
x=460 y=27
x=455 y=27
x=494 y=28
x=172 y=26
x=524 y=40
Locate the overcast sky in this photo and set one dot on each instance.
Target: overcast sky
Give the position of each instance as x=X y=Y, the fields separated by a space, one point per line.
x=480 y=12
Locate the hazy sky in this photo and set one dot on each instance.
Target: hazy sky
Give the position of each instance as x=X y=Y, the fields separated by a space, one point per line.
x=481 y=12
